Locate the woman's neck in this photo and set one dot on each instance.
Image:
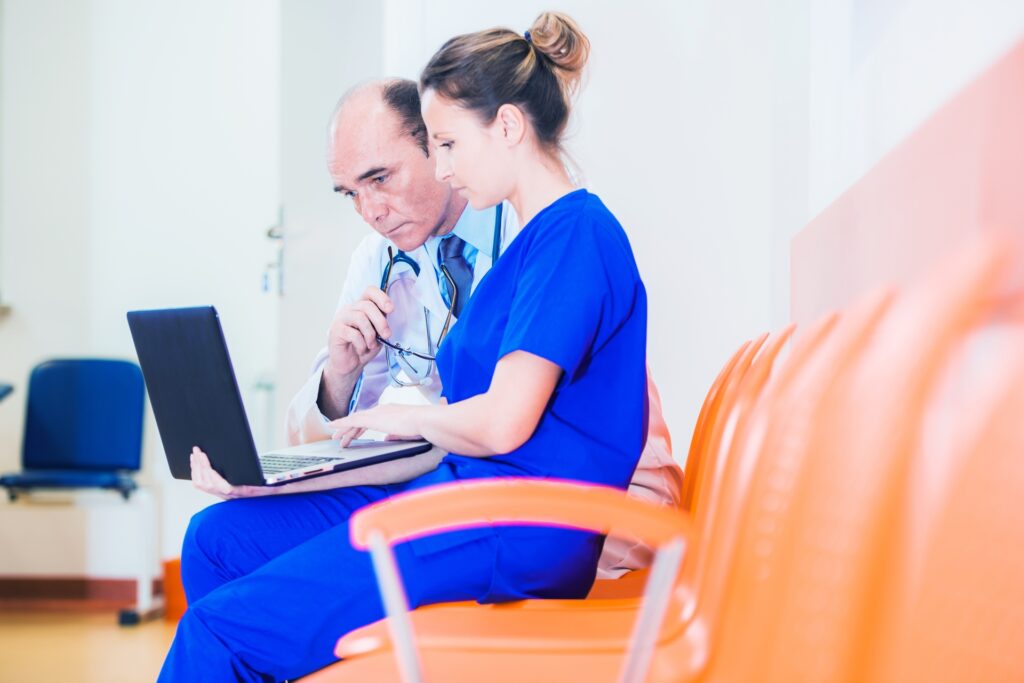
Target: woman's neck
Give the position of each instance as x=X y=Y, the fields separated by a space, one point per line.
x=542 y=181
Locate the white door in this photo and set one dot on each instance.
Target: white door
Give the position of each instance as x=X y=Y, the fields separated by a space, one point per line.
x=326 y=47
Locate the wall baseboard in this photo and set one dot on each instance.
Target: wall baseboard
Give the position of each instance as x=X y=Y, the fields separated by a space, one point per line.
x=34 y=593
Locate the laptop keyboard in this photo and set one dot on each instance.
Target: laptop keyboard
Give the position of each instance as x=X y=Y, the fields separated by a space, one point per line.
x=275 y=464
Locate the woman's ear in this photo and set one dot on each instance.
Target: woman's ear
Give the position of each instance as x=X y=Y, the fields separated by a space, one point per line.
x=511 y=124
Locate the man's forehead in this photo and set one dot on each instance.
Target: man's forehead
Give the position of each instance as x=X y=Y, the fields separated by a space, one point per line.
x=361 y=145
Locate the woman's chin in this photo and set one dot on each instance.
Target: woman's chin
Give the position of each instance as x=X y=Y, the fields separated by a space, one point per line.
x=478 y=202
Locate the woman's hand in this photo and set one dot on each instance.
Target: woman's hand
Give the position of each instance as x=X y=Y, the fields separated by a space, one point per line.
x=398 y=422
x=207 y=479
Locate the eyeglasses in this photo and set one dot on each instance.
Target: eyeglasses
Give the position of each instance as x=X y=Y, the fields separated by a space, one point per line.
x=403 y=358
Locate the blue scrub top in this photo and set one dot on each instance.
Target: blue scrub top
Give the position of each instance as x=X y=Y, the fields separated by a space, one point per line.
x=567 y=289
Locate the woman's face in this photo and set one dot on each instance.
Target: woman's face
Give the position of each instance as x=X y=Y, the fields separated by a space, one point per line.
x=473 y=158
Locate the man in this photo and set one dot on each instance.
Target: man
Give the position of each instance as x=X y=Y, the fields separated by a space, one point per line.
x=440 y=249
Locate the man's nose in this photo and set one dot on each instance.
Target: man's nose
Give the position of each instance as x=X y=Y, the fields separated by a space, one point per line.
x=372 y=208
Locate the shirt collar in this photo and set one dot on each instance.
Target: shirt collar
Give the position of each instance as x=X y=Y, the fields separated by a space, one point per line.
x=476 y=228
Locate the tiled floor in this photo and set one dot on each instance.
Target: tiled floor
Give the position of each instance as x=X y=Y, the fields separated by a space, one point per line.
x=80 y=648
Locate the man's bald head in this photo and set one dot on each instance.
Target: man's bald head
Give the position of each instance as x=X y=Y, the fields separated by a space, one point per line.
x=398 y=98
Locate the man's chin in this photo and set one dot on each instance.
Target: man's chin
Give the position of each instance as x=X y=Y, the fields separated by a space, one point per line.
x=406 y=241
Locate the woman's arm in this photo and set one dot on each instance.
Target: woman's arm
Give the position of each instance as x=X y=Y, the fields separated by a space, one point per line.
x=498 y=421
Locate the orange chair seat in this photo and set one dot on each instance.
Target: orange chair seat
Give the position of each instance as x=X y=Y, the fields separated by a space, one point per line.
x=531 y=624
x=510 y=625
x=597 y=665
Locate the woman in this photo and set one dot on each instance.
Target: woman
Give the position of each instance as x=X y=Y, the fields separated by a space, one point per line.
x=561 y=317
x=559 y=320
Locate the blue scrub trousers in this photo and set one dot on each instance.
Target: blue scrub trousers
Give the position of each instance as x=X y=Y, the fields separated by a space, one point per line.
x=273 y=582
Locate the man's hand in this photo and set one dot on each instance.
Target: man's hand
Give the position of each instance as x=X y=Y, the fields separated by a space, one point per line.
x=351 y=344
x=352 y=340
x=205 y=478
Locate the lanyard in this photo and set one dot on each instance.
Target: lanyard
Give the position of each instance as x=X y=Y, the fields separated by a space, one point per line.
x=496 y=240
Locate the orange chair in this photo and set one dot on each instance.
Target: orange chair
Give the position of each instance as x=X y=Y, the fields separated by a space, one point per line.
x=706 y=418
x=955 y=600
x=600 y=660
x=446 y=664
x=557 y=622
x=596 y=659
x=813 y=546
x=631 y=585
x=450 y=621
x=777 y=585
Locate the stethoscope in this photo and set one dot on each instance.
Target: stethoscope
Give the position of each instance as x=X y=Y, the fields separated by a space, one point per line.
x=402 y=257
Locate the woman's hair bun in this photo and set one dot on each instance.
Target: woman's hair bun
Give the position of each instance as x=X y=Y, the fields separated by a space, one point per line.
x=560 y=40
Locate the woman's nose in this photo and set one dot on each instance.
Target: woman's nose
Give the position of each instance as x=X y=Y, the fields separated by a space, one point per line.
x=443 y=170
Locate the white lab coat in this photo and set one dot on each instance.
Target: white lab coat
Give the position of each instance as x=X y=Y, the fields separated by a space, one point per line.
x=657 y=477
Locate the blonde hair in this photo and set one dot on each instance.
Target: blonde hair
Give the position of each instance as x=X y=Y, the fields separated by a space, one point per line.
x=539 y=71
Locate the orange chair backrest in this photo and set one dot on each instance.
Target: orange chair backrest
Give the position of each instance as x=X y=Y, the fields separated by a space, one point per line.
x=744 y=381
x=830 y=479
x=953 y=599
x=770 y=448
x=701 y=431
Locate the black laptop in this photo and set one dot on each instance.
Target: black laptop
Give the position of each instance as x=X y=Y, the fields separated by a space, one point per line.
x=196 y=402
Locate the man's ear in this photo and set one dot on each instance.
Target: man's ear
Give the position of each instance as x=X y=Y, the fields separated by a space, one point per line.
x=511 y=124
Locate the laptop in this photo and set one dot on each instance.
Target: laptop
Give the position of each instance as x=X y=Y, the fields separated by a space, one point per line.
x=196 y=402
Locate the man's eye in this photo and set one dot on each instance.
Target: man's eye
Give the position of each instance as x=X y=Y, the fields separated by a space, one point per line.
x=350 y=194
x=380 y=180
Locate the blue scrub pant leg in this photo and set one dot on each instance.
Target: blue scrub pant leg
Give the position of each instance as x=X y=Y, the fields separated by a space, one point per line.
x=281 y=617
x=231 y=539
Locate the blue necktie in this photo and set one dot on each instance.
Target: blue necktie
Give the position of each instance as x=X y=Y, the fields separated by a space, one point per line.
x=451 y=255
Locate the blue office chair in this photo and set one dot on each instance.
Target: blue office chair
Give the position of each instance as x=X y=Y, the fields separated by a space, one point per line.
x=83 y=427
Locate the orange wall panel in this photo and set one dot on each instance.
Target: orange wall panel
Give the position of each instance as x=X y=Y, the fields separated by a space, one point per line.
x=962 y=171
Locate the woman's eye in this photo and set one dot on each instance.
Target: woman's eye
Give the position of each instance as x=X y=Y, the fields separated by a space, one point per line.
x=446 y=145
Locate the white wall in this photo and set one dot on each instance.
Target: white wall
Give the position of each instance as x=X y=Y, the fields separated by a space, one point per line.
x=676 y=130
x=44 y=194
x=717 y=130
x=139 y=169
x=875 y=71
x=880 y=68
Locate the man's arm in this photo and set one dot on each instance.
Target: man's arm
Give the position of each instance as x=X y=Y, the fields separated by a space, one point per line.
x=328 y=390
x=335 y=393
x=305 y=422
x=307 y=418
